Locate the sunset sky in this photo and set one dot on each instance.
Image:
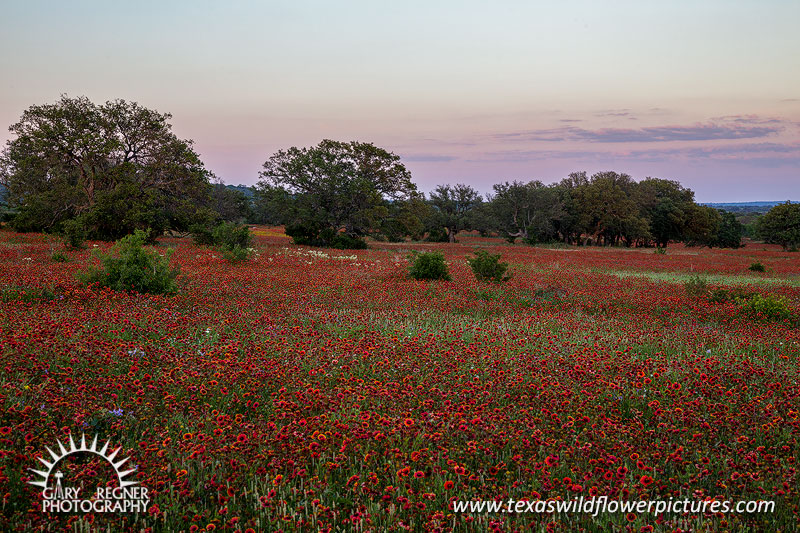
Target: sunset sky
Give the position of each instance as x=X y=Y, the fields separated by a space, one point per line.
x=705 y=92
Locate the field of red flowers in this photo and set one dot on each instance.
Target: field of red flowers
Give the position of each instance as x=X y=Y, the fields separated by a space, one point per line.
x=313 y=389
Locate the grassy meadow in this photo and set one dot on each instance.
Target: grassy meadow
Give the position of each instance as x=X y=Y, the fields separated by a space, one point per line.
x=323 y=390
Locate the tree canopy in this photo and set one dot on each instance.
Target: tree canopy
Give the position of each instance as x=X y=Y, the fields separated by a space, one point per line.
x=526 y=210
x=454 y=205
x=335 y=186
x=607 y=208
x=103 y=171
x=230 y=203
x=114 y=167
x=781 y=225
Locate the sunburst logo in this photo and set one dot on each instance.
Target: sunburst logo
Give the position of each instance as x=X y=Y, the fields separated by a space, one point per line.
x=128 y=496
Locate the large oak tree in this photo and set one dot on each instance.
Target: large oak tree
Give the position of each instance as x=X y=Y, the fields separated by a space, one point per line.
x=781 y=225
x=526 y=210
x=335 y=187
x=454 y=207
x=114 y=168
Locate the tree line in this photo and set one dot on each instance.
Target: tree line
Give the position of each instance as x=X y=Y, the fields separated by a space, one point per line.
x=104 y=171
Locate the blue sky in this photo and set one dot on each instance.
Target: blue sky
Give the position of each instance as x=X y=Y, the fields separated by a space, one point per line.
x=704 y=92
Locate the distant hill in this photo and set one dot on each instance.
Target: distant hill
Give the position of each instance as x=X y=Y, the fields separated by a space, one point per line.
x=744 y=204
x=244 y=189
x=745 y=208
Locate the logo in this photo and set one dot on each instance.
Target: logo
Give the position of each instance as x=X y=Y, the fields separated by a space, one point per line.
x=127 y=497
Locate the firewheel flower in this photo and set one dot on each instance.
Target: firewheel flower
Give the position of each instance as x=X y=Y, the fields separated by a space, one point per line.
x=304 y=385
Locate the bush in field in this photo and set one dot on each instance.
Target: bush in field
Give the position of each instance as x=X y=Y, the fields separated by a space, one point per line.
x=74 y=234
x=308 y=234
x=428 y=265
x=228 y=236
x=303 y=233
x=346 y=242
x=769 y=307
x=488 y=267
x=202 y=235
x=437 y=234
x=59 y=257
x=237 y=254
x=233 y=240
x=721 y=296
x=342 y=241
x=131 y=267
x=757 y=267
x=696 y=286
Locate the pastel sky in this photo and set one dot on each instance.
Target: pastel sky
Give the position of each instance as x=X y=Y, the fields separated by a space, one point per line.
x=706 y=92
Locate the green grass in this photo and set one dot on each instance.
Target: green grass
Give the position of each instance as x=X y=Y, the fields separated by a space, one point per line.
x=26 y=294
x=715 y=279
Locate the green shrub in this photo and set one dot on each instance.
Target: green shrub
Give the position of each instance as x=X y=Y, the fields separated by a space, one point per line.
x=769 y=307
x=696 y=286
x=59 y=257
x=202 y=235
x=721 y=296
x=304 y=233
x=237 y=254
x=660 y=251
x=308 y=234
x=532 y=239
x=233 y=240
x=342 y=241
x=437 y=234
x=130 y=267
x=392 y=230
x=225 y=235
x=487 y=267
x=229 y=235
x=74 y=233
x=428 y=265
x=757 y=267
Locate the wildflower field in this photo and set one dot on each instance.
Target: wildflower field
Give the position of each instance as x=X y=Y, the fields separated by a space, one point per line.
x=324 y=390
